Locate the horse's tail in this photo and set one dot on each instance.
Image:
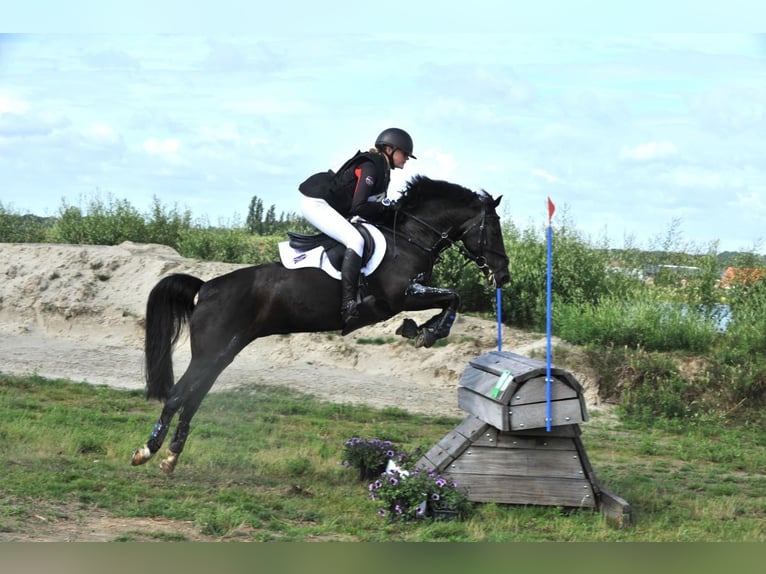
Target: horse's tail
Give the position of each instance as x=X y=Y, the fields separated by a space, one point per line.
x=168 y=309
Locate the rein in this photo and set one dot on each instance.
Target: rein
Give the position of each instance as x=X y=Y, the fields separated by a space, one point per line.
x=444 y=236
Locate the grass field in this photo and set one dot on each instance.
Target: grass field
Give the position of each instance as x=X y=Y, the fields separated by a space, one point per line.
x=263 y=464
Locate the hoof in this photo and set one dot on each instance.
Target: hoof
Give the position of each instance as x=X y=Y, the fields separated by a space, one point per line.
x=169 y=464
x=408 y=329
x=140 y=456
x=426 y=338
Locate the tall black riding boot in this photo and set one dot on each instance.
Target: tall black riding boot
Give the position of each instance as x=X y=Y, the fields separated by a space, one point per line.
x=349 y=284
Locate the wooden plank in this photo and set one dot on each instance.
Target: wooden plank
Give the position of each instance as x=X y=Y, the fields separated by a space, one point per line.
x=586 y=465
x=453 y=443
x=486 y=409
x=511 y=440
x=566 y=412
x=471 y=427
x=436 y=458
x=488 y=438
x=439 y=464
x=497 y=362
x=526 y=490
x=535 y=391
x=616 y=509
x=519 y=462
x=478 y=381
x=559 y=431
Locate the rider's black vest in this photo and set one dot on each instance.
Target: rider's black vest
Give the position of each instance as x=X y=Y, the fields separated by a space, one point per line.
x=337 y=189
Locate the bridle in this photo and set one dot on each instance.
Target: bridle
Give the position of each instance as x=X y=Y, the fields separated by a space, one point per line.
x=444 y=241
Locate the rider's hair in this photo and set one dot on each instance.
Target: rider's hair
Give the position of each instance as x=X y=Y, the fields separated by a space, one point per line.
x=381 y=152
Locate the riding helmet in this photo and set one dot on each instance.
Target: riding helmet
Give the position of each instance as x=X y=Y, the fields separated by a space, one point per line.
x=397 y=139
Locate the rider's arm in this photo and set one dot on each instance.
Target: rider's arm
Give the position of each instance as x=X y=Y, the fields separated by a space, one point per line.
x=363 y=203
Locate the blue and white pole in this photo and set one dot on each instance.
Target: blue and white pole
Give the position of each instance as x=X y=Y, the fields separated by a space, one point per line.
x=548 y=328
x=499 y=297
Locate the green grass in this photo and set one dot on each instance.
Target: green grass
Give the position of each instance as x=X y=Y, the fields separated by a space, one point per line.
x=263 y=463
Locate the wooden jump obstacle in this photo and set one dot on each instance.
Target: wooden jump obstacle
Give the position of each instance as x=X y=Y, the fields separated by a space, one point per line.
x=502 y=451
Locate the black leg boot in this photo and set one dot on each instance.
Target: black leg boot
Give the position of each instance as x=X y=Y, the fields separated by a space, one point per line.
x=349 y=283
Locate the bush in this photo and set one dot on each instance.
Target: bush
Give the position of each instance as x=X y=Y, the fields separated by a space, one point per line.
x=649 y=324
x=17 y=228
x=578 y=276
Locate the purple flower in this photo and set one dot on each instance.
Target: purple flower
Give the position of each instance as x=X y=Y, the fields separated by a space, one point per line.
x=390 y=454
x=435 y=496
x=441 y=483
x=393 y=481
x=398 y=509
x=381 y=512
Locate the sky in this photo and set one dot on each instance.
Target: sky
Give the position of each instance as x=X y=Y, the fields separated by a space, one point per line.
x=641 y=129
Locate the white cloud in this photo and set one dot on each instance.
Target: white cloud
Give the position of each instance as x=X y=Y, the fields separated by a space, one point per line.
x=12 y=105
x=101 y=132
x=649 y=151
x=167 y=148
x=698 y=178
x=221 y=133
x=546 y=176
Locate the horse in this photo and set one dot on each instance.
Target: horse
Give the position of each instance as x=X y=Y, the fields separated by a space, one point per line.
x=228 y=312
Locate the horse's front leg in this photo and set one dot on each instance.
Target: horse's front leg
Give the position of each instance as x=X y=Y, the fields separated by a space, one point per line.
x=419 y=297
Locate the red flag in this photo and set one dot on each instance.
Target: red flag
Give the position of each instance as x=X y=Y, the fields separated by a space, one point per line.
x=551 y=209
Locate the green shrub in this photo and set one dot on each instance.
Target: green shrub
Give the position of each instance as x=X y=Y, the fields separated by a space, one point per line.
x=578 y=274
x=650 y=324
x=18 y=228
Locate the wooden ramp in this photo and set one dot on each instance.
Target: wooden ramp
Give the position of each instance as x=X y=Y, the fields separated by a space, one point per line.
x=502 y=451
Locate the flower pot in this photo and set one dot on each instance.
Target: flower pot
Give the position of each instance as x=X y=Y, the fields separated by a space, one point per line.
x=367 y=473
x=445 y=515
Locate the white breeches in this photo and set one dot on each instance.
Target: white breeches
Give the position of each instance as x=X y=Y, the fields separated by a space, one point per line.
x=319 y=214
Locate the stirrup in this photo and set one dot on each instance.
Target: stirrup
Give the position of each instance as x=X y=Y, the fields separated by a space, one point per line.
x=349 y=311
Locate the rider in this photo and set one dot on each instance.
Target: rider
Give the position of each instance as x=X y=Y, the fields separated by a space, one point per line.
x=358 y=188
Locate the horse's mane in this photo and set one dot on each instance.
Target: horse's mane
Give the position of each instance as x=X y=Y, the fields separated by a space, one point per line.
x=420 y=189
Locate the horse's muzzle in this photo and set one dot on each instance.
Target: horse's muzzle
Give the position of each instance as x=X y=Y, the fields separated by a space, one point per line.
x=500 y=278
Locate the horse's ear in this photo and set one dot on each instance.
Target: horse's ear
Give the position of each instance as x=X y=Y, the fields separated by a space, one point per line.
x=497 y=201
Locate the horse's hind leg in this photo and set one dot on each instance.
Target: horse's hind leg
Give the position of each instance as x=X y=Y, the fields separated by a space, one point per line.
x=183 y=428
x=160 y=430
x=193 y=387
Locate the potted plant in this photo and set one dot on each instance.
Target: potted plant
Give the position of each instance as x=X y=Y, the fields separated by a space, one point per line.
x=405 y=496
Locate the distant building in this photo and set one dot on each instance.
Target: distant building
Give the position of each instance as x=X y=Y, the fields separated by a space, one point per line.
x=652 y=270
x=740 y=276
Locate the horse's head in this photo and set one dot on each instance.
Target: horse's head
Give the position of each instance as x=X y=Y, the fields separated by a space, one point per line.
x=456 y=213
x=482 y=237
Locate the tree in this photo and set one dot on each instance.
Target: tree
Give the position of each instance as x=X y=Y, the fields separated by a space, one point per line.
x=270 y=223
x=254 y=221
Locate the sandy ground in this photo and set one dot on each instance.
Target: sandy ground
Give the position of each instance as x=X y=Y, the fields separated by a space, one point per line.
x=76 y=312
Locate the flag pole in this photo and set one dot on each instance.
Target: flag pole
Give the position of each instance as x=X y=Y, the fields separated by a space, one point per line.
x=499 y=298
x=548 y=306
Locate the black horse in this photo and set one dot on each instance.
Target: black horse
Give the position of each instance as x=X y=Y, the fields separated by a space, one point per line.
x=234 y=309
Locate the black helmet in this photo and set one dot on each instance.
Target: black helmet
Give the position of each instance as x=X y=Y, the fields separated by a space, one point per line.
x=397 y=139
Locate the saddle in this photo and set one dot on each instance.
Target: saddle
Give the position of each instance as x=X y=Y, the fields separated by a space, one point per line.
x=321 y=251
x=333 y=249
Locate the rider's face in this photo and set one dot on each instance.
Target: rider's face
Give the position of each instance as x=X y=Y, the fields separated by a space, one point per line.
x=400 y=158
